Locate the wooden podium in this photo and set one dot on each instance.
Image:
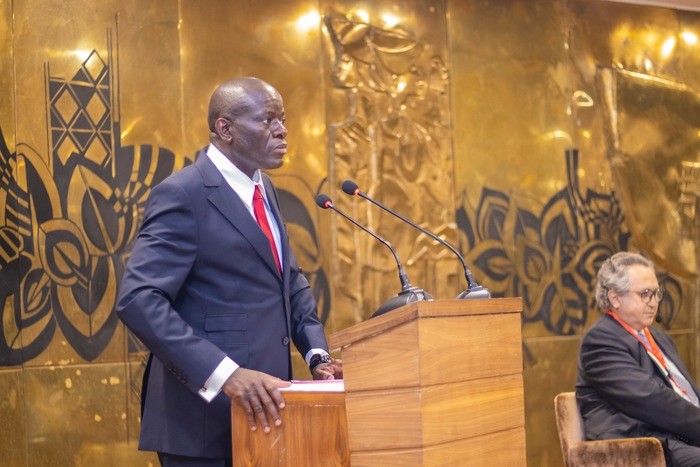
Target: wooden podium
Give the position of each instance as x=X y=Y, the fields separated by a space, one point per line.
x=432 y=383
x=436 y=383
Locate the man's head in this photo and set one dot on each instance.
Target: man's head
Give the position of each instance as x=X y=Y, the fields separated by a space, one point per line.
x=628 y=285
x=246 y=122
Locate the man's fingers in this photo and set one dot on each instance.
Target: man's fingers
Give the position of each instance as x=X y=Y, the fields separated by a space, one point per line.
x=249 y=414
x=271 y=399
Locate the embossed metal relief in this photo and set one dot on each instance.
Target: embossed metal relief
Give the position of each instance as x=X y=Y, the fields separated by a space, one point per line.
x=394 y=141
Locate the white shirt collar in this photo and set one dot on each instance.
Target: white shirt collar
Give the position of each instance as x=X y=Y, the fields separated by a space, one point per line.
x=240 y=182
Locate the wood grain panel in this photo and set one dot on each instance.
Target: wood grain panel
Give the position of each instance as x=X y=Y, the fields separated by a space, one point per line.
x=461 y=348
x=412 y=418
x=412 y=311
x=365 y=364
x=496 y=449
x=435 y=348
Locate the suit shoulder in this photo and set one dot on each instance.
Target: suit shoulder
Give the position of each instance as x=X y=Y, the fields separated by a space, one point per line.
x=604 y=327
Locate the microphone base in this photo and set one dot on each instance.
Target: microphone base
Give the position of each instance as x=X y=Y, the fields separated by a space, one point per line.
x=474 y=293
x=406 y=296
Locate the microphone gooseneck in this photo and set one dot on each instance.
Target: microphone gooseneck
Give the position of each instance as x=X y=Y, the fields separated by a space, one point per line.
x=408 y=292
x=474 y=290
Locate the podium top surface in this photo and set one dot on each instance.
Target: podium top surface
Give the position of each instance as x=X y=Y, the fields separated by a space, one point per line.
x=420 y=310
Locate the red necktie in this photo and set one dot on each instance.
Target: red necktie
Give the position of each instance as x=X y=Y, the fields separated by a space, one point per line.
x=261 y=217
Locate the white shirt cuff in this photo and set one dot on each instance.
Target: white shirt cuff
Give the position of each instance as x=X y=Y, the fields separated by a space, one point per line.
x=313 y=352
x=213 y=384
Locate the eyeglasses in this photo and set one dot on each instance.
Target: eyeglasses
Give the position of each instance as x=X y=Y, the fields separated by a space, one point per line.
x=647 y=294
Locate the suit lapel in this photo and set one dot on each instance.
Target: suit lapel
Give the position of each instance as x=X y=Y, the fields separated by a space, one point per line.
x=226 y=201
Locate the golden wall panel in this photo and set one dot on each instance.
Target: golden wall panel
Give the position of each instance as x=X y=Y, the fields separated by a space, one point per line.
x=77 y=414
x=508 y=61
x=7 y=81
x=549 y=368
x=150 y=105
x=13 y=423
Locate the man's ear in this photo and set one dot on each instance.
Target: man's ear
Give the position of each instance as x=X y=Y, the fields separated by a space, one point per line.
x=223 y=129
x=614 y=299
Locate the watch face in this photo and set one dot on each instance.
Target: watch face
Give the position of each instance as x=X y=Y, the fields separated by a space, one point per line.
x=318 y=359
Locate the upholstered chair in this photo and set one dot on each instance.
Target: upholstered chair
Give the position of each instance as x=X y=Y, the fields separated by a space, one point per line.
x=613 y=452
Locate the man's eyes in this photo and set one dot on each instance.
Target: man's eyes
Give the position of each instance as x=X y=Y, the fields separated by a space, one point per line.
x=269 y=120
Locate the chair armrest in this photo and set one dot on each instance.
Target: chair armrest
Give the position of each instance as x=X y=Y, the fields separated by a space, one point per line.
x=618 y=452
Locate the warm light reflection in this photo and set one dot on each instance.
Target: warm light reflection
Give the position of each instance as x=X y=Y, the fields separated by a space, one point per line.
x=308 y=21
x=363 y=15
x=128 y=128
x=390 y=20
x=583 y=99
x=668 y=46
x=400 y=86
x=689 y=38
x=82 y=55
x=557 y=134
x=647 y=64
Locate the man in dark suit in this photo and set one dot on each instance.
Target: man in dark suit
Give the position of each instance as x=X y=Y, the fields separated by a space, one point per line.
x=213 y=289
x=631 y=380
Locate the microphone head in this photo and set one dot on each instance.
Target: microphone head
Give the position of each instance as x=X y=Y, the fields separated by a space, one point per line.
x=323 y=201
x=350 y=187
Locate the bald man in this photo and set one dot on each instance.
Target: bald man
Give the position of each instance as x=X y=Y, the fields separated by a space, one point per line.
x=214 y=291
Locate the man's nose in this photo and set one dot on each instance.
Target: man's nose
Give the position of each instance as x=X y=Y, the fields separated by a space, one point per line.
x=279 y=130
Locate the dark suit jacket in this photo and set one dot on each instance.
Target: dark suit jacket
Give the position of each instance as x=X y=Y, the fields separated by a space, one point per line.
x=201 y=283
x=621 y=393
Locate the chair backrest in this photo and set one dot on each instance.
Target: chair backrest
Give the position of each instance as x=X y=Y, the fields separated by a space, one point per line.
x=569 y=422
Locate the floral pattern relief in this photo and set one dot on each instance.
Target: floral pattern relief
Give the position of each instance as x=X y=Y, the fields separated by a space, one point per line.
x=551 y=259
x=69 y=224
x=393 y=141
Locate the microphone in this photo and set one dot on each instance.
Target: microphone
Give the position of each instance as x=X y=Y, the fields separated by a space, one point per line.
x=408 y=292
x=474 y=290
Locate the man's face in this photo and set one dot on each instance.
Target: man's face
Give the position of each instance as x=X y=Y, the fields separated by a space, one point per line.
x=630 y=307
x=258 y=131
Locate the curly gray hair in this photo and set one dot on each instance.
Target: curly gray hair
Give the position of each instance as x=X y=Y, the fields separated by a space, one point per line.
x=613 y=275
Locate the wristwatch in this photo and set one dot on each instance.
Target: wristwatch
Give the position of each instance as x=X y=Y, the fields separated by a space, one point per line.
x=317 y=359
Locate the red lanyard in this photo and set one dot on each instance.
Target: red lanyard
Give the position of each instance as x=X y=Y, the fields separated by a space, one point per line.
x=652 y=348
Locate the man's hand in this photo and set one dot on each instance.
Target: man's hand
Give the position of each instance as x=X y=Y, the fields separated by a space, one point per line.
x=332 y=370
x=258 y=394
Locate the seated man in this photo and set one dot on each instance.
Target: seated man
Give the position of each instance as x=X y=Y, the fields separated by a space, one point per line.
x=631 y=380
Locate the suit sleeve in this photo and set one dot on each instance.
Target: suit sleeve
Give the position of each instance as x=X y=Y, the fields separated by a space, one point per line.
x=160 y=262
x=611 y=369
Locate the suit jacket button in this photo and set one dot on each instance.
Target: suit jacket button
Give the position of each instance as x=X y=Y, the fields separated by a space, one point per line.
x=285 y=341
